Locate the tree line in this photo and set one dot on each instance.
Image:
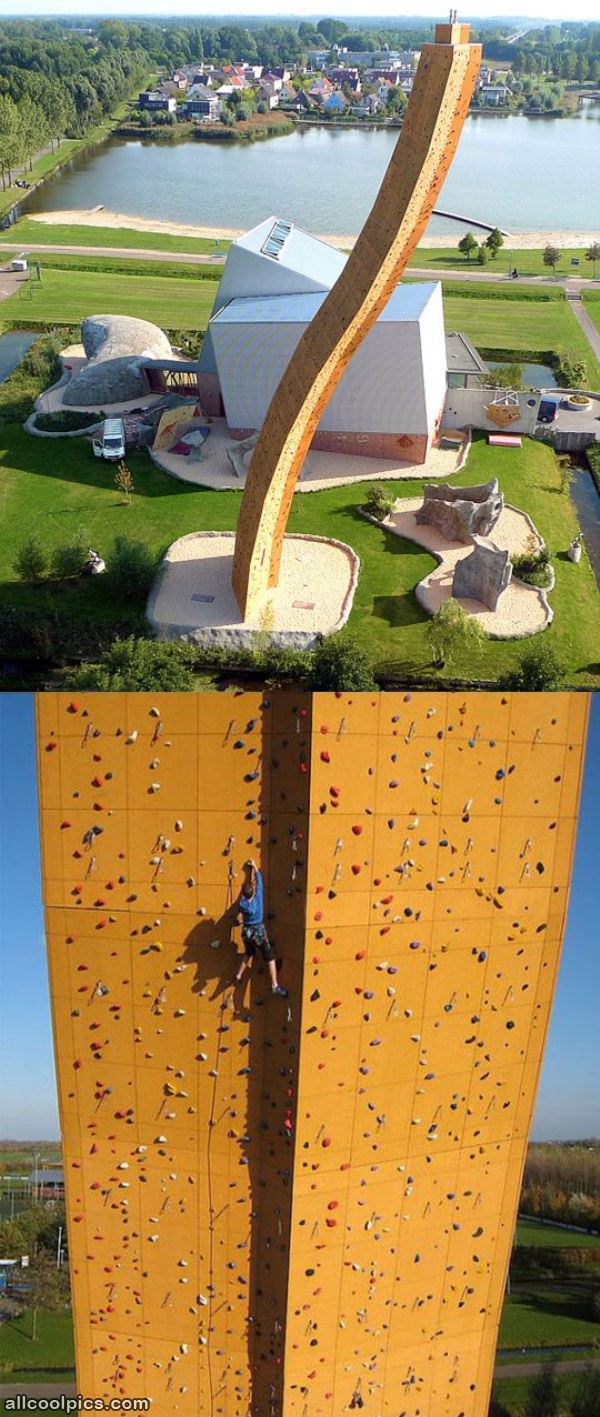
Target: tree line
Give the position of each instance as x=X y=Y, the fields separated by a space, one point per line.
x=55 y=82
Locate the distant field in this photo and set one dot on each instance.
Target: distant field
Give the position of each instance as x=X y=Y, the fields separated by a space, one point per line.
x=552 y=1237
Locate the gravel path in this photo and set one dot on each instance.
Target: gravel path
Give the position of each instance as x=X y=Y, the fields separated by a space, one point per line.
x=521 y=610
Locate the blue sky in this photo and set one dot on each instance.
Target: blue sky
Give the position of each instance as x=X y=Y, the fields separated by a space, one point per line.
x=569 y=1097
x=544 y=10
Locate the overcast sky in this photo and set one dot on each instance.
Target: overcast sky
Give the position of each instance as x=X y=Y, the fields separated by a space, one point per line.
x=551 y=10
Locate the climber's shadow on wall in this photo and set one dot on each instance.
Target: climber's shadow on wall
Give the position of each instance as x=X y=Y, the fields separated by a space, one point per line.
x=215 y=966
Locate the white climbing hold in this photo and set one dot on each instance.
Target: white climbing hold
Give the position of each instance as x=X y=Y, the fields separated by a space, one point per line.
x=132 y=737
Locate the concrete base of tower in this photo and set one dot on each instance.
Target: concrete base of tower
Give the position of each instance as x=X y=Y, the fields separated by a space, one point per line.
x=192 y=597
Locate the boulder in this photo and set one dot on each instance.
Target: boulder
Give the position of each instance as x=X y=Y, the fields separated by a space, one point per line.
x=483 y=575
x=118 y=348
x=461 y=513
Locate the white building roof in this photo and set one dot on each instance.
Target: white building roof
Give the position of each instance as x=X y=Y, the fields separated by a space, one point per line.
x=406 y=303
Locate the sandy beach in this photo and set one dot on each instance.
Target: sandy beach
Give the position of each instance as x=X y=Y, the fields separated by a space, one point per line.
x=100 y=216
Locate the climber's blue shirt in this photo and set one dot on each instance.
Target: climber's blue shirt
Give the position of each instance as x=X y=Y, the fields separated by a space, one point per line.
x=253 y=909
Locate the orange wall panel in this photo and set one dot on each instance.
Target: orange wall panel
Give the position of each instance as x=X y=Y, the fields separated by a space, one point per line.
x=292 y=1207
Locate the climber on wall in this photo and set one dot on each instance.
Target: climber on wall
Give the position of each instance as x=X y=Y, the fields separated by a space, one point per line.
x=249 y=912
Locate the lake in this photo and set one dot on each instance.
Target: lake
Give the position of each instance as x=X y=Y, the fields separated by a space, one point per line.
x=522 y=174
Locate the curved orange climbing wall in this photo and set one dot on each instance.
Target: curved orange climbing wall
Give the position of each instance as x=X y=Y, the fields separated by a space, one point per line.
x=431 y=129
x=298 y=1208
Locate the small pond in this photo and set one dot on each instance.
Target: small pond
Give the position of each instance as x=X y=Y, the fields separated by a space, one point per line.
x=535 y=376
x=12 y=348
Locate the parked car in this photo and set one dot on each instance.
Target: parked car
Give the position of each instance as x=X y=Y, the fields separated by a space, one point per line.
x=547 y=411
x=111 y=443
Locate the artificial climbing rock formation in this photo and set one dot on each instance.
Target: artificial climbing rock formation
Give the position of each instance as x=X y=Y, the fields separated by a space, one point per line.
x=461 y=513
x=298 y=1208
x=431 y=129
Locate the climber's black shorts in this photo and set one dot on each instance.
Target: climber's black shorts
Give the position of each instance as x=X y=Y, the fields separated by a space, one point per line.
x=255 y=937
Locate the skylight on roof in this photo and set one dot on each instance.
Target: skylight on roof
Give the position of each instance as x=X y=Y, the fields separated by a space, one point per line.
x=275 y=241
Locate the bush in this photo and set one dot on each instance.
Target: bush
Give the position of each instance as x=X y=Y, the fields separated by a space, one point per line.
x=66 y=421
x=379 y=503
x=340 y=664
x=68 y=561
x=32 y=562
x=131 y=567
x=533 y=567
x=451 y=630
x=540 y=668
x=136 y=665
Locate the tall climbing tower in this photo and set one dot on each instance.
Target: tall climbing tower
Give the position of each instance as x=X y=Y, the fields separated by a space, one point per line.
x=302 y=1207
x=438 y=105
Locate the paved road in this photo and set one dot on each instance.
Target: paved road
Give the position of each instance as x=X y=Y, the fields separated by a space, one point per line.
x=212 y=258
x=9 y=283
x=132 y=252
x=531 y=1370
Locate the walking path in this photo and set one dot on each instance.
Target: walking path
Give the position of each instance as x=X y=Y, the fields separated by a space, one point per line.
x=531 y=1370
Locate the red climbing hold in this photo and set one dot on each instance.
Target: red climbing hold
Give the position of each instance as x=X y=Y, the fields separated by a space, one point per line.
x=332 y=1205
x=325 y=758
x=326 y=1141
x=357 y=830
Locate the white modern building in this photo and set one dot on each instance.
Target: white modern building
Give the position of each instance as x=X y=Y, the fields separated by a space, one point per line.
x=390 y=399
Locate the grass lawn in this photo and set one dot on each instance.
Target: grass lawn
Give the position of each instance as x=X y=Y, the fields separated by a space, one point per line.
x=513 y=1392
x=184 y=301
x=551 y=1237
x=534 y=325
x=592 y=305
x=66 y=296
x=53 y=1347
x=543 y=1315
x=47 y=234
x=528 y=263
x=56 y=487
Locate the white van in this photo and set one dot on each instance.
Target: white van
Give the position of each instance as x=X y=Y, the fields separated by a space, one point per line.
x=111 y=443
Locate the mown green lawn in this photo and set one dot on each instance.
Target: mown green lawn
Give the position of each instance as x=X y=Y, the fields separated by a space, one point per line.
x=592 y=305
x=49 y=234
x=513 y=1393
x=66 y=296
x=551 y=1237
x=534 y=325
x=541 y=1315
x=53 y=1347
x=56 y=488
x=528 y=263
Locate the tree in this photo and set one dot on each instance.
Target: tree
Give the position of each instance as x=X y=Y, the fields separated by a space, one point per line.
x=467 y=244
x=68 y=561
x=451 y=631
x=124 y=482
x=339 y=663
x=135 y=665
x=540 y=668
x=551 y=256
x=132 y=567
x=31 y=563
x=494 y=241
x=482 y=255
x=508 y=376
x=543 y=1396
x=593 y=254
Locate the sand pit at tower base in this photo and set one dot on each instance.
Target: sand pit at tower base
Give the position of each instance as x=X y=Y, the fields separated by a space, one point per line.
x=193 y=598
